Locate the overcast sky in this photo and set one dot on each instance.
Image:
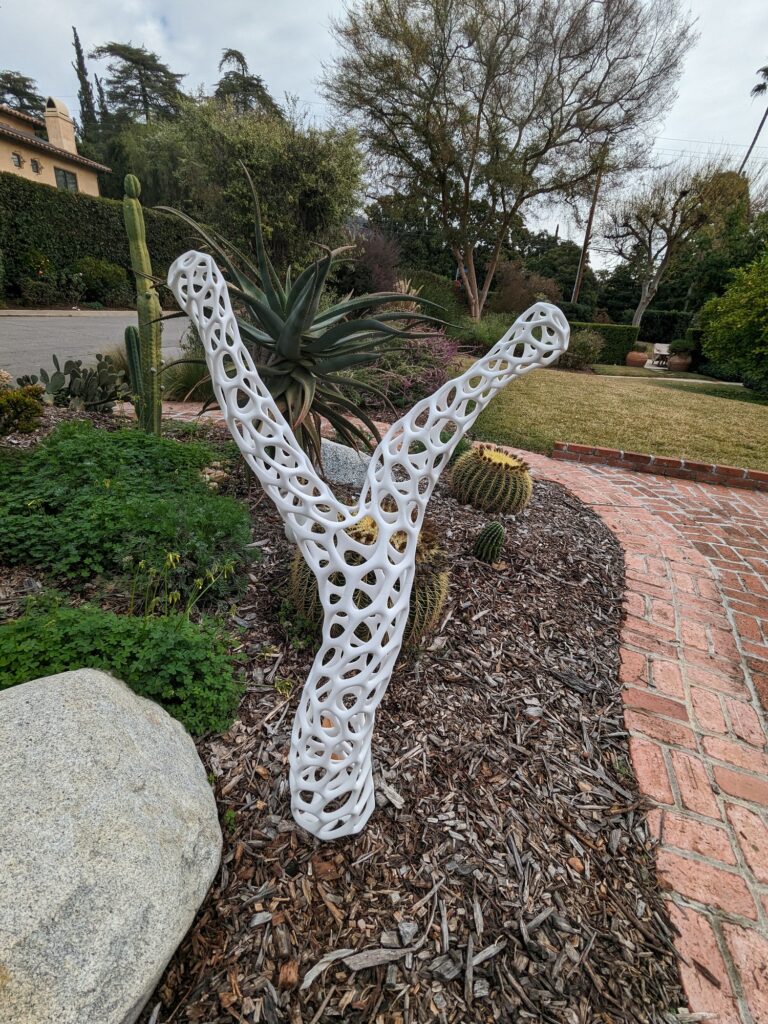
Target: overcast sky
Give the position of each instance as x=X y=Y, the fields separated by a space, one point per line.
x=286 y=41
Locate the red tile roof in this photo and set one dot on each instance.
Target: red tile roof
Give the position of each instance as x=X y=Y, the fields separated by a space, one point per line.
x=37 y=121
x=46 y=147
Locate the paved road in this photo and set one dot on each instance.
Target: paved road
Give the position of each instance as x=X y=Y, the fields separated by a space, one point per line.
x=27 y=342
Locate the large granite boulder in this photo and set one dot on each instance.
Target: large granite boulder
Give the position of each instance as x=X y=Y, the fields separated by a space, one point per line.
x=109 y=840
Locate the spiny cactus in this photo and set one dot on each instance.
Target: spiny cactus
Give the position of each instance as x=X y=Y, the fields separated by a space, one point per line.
x=430 y=584
x=143 y=346
x=491 y=480
x=489 y=543
x=78 y=387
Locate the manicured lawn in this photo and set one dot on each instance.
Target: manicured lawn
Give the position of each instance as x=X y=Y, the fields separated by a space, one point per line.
x=640 y=371
x=677 y=420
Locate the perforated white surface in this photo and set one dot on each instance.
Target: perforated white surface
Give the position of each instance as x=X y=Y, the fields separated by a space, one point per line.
x=331 y=772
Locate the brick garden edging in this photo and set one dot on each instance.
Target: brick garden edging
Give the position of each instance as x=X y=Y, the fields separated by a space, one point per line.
x=683 y=469
x=694 y=658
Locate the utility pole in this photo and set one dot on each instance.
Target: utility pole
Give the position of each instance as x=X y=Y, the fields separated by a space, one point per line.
x=588 y=231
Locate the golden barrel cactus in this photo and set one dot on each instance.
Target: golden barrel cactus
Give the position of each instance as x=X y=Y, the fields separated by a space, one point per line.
x=491 y=479
x=430 y=584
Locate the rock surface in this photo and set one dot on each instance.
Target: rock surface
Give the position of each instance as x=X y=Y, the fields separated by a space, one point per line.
x=109 y=840
x=344 y=465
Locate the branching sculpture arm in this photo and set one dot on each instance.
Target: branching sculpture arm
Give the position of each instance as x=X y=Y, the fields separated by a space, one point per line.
x=364 y=588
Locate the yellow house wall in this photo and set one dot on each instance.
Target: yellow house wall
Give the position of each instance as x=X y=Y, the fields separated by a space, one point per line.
x=87 y=181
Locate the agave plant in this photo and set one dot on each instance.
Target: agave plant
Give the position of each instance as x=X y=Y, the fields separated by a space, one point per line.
x=304 y=354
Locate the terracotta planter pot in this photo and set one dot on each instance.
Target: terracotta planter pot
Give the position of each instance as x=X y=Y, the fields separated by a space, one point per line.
x=679 y=363
x=636 y=358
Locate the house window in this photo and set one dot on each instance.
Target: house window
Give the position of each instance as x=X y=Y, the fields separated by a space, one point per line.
x=35 y=165
x=65 y=180
x=17 y=159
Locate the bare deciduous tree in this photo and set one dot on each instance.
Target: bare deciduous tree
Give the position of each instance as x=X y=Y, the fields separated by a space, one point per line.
x=486 y=105
x=653 y=224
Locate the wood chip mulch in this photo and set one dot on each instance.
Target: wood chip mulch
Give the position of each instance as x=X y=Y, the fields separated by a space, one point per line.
x=506 y=874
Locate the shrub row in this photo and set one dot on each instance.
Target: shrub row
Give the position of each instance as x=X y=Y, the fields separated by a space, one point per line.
x=65 y=227
x=661 y=326
x=618 y=340
x=182 y=665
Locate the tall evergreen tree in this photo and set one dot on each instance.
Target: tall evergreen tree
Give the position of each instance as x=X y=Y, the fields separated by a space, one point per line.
x=103 y=108
x=245 y=91
x=20 y=92
x=138 y=85
x=88 y=119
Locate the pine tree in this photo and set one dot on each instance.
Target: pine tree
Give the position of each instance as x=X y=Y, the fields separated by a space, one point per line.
x=20 y=92
x=138 y=85
x=88 y=119
x=242 y=89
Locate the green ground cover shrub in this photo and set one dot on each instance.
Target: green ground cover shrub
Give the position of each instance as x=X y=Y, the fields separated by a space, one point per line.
x=88 y=503
x=618 y=339
x=20 y=409
x=584 y=348
x=735 y=328
x=439 y=289
x=182 y=665
x=104 y=282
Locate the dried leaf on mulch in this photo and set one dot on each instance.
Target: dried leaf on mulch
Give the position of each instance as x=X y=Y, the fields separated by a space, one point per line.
x=506 y=874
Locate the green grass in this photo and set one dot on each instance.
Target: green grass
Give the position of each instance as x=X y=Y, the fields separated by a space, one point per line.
x=640 y=371
x=662 y=418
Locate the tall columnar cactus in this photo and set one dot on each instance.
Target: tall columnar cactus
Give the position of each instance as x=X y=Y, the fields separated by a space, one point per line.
x=489 y=543
x=492 y=480
x=143 y=346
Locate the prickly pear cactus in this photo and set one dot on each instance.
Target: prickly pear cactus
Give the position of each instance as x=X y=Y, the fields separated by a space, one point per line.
x=489 y=543
x=143 y=347
x=492 y=480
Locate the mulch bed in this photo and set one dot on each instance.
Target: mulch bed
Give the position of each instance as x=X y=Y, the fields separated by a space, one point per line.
x=506 y=874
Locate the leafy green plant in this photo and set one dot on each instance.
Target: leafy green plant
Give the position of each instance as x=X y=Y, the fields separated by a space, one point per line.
x=489 y=543
x=302 y=351
x=20 y=410
x=584 y=348
x=90 y=504
x=103 y=282
x=77 y=387
x=182 y=665
x=491 y=479
x=736 y=326
x=618 y=339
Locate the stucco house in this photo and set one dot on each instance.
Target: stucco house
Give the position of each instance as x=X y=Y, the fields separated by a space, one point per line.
x=45 y=151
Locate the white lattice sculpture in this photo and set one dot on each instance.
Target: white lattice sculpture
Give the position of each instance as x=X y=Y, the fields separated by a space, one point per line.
x=364 y=588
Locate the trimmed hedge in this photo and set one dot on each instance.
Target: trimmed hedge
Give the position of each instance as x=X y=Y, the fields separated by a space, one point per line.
x=662 y=326
x=618 y=340
x=64 y=227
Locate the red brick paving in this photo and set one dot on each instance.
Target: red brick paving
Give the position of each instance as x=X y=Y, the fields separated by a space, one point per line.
x=694 y=664
x=694 y=661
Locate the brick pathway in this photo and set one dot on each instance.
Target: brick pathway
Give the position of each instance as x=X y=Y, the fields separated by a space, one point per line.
x=694 y=662
x=694 y=666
